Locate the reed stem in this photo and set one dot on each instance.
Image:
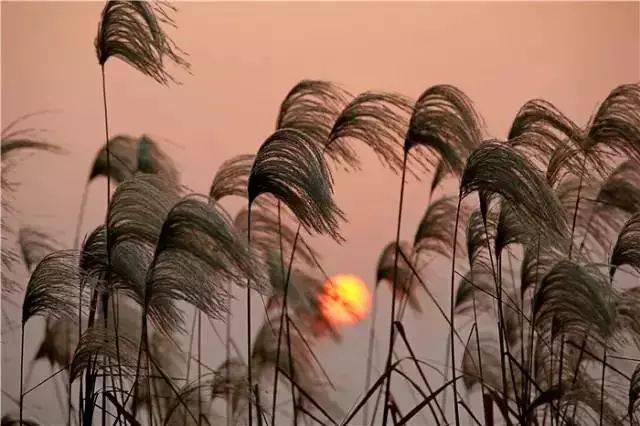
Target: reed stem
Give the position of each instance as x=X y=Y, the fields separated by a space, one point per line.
x=393 y=295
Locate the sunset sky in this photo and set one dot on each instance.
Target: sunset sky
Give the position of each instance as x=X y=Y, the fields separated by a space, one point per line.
x=245 y=57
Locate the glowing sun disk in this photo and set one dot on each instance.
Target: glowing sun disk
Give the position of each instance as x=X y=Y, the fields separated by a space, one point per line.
x=344 y=299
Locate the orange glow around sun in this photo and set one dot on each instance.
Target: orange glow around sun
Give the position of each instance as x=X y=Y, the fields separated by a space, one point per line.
x=344 y=299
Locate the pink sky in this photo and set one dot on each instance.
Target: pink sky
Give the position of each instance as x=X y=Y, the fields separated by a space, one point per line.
x=246 y=56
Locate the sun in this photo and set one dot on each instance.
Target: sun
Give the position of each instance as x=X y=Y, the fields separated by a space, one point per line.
x=344 y=299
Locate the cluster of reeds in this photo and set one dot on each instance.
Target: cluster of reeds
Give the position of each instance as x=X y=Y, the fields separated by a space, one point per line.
x=539 y=319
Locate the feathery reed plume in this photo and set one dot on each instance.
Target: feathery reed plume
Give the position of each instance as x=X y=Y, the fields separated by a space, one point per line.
x=53 y=287
x=621 y=189
x=444 y=123
x=379 y=120
x=132 y=31
x=495 y=168
x=616 y=124
x=131 y=155
x=509 y=230
x=435 y=230
x=138 y=209
x=385 y=272
x=54 y=291
x=539 y=128
x=197 y=251
x=291 y=167
x=232 y=177
x=574 y=300
x=627 y=247
x=312 y=107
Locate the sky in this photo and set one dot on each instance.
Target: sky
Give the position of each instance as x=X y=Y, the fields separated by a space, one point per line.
x=244 y=59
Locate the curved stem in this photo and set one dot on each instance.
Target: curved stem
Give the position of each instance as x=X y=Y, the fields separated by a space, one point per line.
x=282 y=316
x=452 y=313
x=393 y=296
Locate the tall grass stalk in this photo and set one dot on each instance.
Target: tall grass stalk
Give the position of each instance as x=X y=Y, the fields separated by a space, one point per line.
x=249 y=372
x=393 y=296
x=452 y=313
x=284 y=313
x=372 y=337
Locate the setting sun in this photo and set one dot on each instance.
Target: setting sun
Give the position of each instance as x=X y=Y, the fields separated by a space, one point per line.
x=344 y=299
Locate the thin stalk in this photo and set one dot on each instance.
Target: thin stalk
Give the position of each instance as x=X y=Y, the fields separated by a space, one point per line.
x=21 y=370
x=227 y=369
x=532 y=366
x=372 y=336
x=282 y=315
x=146 y=342
x=193 y=328
x=199 y=366
x=488 y=414
x=256 y=392
x=105 y=309
x=108 y=242
x=452 y=313
x=393 y=296
x=76 y=244
x=604 y=369
x=249 y=321
x=501 y=337
x=507 y=346
x=447 y=358
x=293 y=374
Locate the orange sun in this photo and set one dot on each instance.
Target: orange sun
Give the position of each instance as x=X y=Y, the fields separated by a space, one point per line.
x=344 y=299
